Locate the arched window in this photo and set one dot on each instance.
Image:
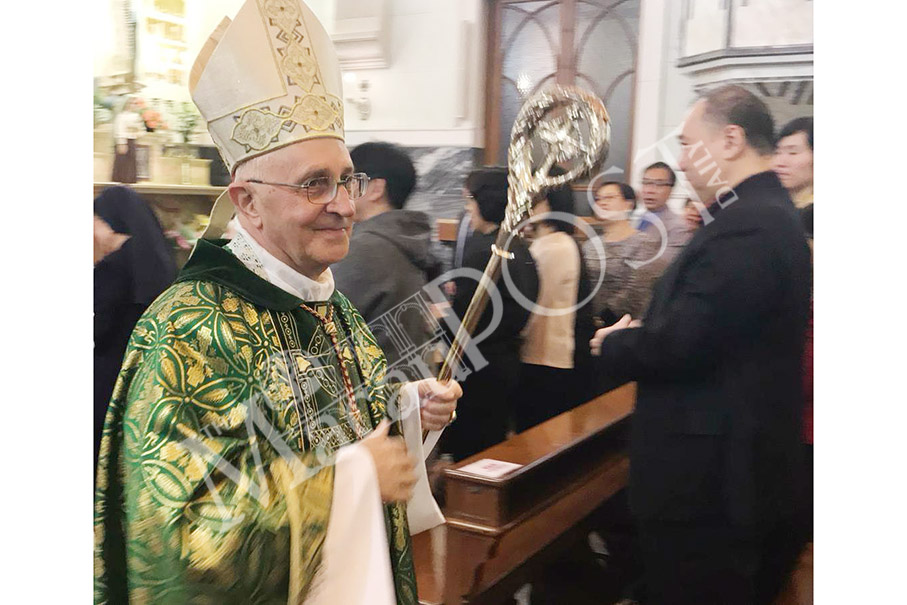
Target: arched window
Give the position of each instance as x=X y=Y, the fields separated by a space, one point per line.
x=589 y=43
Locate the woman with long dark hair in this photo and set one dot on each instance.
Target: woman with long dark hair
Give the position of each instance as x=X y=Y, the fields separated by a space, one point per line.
x=555 y=370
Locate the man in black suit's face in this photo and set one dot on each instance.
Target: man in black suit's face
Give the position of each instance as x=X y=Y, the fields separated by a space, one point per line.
x=715 y=156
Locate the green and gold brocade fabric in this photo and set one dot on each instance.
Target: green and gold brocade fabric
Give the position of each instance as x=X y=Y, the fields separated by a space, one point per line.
x=215 y=477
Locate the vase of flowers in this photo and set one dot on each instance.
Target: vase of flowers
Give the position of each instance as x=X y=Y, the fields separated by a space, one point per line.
x=151 y=117
x=186 y=120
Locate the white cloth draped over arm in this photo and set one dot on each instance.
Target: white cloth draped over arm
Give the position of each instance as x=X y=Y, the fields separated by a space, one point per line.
x=355 y=565
x=355 y=543
x=421 y=510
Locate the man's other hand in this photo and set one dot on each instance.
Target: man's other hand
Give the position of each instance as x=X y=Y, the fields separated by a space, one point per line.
x=596 y=342
x=395 y=470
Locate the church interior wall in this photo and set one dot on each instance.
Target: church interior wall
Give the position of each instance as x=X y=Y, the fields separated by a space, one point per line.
x=430 y=97
x=671 y=31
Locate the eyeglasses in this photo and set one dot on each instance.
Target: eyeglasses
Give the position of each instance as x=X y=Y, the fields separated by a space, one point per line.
x=656 y=183
x=321 y=190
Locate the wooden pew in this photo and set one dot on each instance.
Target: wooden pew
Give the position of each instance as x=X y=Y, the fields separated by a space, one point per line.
x=447 y=229
x=499 y=531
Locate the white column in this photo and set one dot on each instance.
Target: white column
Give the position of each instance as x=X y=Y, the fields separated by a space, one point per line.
x=649 y=85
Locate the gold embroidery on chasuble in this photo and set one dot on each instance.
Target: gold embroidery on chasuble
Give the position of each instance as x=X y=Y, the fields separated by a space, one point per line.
x=204 y=362
x=200 y=363
x=332 y=413
x=329 y=410
x=259 y=127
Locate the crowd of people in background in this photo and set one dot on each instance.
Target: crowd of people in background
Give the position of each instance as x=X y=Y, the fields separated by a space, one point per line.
x=538 y=358
x=391 y=259
x=554 y=354
x=390 y=256
x=616 y=259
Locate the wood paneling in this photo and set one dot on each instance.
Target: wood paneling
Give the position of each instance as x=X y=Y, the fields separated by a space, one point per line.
x=497 y=530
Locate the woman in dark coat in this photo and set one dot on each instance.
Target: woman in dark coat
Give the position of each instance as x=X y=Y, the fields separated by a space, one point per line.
x=485 y=411
x=126 y=281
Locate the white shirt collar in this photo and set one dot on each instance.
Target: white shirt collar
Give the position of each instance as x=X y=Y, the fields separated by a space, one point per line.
x=285 y=277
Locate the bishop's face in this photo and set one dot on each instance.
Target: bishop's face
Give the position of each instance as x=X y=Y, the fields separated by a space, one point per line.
x=308 y=237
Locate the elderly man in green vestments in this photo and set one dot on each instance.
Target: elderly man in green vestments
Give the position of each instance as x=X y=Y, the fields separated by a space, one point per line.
x=253 y=451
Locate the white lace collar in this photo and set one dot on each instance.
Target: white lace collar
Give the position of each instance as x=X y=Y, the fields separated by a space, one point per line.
x=266 y=265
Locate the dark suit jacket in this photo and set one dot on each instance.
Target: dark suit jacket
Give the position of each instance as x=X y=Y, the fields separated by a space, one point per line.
x=718 y=364
x=505 y=341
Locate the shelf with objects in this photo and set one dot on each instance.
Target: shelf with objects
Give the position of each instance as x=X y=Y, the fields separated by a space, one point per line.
x=148 y=135
x=182 y=209
x=154 y=147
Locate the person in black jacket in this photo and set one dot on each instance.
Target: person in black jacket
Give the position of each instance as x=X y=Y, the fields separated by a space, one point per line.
x=485 y=411
x=126 y=281
x=715 y=437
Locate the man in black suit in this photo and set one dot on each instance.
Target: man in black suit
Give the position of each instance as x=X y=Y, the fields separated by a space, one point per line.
x=717 y=359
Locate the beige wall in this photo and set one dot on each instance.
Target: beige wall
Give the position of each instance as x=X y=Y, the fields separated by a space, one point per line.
x=665 y=91
x=431 y=92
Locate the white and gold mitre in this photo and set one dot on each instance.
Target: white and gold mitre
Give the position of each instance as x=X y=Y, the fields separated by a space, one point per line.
x=268 y=79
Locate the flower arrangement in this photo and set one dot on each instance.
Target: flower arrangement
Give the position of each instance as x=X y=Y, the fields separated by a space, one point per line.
x=187 y=119
x=151 y=118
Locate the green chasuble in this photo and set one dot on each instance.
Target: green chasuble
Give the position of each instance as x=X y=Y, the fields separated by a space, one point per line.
x=215 y=477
